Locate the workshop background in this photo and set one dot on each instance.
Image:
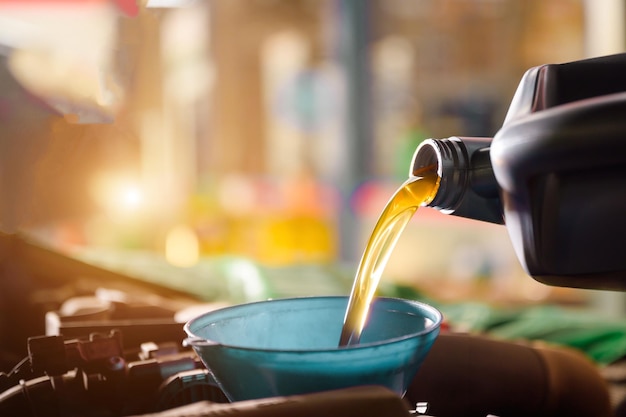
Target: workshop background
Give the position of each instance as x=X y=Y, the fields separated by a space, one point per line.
x=239 y=150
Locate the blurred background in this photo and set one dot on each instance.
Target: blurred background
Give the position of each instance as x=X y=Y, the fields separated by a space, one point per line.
x=243 y=149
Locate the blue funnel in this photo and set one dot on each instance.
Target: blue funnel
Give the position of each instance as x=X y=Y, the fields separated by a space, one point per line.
x=289 y=346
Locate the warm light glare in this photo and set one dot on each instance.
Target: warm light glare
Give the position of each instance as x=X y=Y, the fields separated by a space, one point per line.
x=131 y=197
x=118 y=195
x=182 y=247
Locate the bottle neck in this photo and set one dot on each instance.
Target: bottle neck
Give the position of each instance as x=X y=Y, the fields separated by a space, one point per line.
x=468 y=187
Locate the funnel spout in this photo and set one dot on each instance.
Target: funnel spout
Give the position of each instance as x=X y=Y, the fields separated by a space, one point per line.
x=468 y=187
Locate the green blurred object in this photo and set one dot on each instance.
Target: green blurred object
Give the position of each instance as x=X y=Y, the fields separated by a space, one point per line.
x=602 y=338
x=236 y=280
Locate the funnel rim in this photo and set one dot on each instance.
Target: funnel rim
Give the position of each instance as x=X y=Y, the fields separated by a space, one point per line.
x=433 y=314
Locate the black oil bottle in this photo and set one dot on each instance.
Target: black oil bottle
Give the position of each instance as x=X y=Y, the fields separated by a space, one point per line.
x=554 y=174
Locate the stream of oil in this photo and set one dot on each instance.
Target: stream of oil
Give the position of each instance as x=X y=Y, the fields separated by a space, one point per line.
x=415 y=192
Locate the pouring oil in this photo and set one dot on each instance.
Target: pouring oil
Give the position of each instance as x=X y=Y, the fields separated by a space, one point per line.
x=403 y=204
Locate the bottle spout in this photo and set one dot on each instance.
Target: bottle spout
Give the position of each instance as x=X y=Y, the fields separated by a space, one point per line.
x=468 y=187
